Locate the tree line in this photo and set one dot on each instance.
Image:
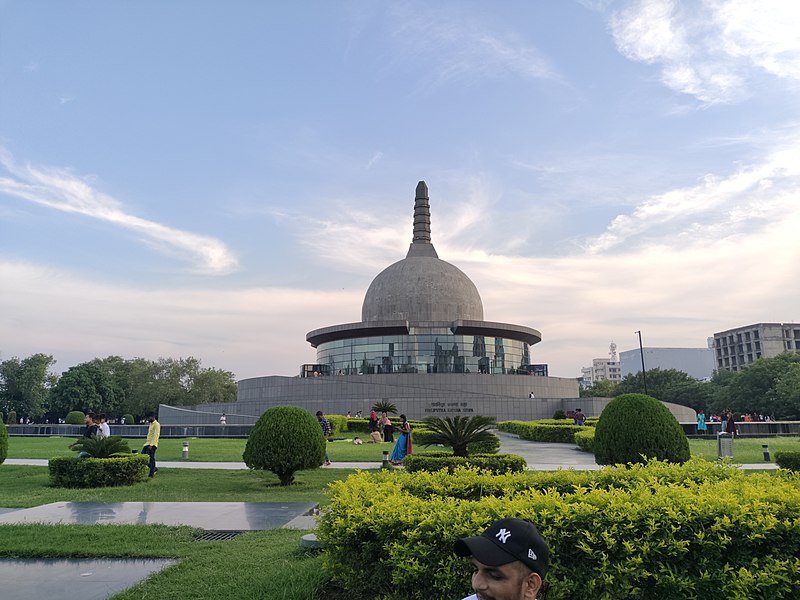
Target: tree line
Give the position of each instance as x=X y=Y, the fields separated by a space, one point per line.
x=113 y=386
x=769 y=386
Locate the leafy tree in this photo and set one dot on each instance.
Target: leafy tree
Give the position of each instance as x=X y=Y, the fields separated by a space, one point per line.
x=284 y=440
x=787 y=393
x=758 y=388
x=669 y=385
x=459 y=432
x=600 y=389
x=25 y=384
x=85 y=387
x=384 y=406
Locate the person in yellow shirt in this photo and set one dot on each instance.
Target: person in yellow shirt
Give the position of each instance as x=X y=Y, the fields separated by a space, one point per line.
x=151 y=443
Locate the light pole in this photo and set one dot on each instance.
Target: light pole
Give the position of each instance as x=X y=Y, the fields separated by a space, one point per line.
x=641 y=353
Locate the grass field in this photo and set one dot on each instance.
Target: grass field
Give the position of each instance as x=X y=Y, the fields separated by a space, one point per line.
x=259 y=564
x=200 y=449
x=745 y=450
x=23 y=486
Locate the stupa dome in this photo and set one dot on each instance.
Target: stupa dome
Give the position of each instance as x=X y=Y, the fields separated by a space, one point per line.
x=422 y=287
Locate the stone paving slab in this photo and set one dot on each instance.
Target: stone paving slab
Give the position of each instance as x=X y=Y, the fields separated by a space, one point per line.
x=223 y=516
x=74 y=579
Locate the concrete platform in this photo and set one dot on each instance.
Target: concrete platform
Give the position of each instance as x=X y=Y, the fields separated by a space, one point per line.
x=221 y=516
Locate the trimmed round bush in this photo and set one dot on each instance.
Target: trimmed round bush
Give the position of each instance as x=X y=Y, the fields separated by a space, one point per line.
x=11 y=417
x=559 y=415
x=285 y=439
x=129 y=419
x=636 y=427
x=785 y=460
x=75 y=417
x=3 y=442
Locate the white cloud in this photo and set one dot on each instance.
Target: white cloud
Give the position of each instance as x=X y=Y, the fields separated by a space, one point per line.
x=711 y=49
x=59 y=189
x=465 y=48
x=718 y=206
x=374 y=159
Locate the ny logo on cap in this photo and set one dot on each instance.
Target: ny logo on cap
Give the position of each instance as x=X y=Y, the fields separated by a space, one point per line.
x=503 y=535
x=531 y=554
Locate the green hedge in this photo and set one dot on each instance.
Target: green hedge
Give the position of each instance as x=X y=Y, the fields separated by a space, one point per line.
x=3 y=442
x=493 y=463
x=788 y=460
x=585 y=439
x=72 y=472
x=671 y=531
x=339 y=424
x=545 y=430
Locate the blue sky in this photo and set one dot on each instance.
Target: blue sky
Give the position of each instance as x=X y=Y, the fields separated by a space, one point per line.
x=217 y=179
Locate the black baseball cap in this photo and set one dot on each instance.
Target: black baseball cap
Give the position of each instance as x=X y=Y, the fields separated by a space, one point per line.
x=504 y=542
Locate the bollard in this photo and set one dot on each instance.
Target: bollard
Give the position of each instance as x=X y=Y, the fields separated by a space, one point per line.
x=185 y=451
x=765 y=447
x=385 y=464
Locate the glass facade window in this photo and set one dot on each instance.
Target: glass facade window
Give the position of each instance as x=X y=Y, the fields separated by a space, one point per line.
x=424 y=353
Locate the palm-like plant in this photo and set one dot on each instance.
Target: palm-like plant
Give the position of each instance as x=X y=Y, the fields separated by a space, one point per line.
x=384 y=406
x=102 y=447
x=459 y=432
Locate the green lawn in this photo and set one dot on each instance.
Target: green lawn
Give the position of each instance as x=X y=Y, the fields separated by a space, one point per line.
x=261 y=564
x=23 y=486
x=200 y=449
x=745 y=450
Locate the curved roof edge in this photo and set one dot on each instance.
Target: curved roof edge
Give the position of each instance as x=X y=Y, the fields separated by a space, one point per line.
x=362 y=329
x=460 y=327
x=505 y=330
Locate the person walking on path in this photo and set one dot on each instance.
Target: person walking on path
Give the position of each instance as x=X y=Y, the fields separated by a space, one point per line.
x=403 y=446
x=510 y=560
x=151 y=443
x=326 y=433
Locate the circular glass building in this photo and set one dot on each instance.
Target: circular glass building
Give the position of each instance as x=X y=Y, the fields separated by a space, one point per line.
x=423 y=315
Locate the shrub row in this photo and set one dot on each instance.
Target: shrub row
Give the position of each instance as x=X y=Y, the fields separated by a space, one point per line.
x=730 y=537
x=493 y=463
x=585 y=439
x=788 y=460
x=537 y=431
x=3 y=442
x=73 y=472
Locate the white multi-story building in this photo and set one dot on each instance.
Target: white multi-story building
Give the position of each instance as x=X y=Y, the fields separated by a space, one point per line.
x=603 y=369
x=695 y=362
x=737 y=348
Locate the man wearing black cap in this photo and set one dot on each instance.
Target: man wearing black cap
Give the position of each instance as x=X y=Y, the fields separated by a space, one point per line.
x=510 y=561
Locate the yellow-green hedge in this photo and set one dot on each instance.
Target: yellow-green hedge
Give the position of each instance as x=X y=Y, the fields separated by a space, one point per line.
x=545 y=430
x=585 y=439
x=649 y=532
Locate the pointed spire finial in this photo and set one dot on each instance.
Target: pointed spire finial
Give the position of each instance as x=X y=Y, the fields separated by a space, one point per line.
x=422 y=215
x=421 y=242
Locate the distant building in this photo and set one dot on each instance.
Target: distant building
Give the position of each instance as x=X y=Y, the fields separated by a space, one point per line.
x=695 y=362
x=737 y=348
x=602 y=369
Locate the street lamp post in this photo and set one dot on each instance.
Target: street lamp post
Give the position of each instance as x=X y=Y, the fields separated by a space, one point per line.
x=641 y=353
